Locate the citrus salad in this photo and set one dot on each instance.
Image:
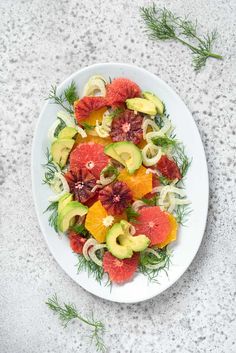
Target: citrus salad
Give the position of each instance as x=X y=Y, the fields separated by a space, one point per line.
x=116 y=171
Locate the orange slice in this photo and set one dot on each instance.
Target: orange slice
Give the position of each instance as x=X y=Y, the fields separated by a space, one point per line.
x=172 y=235
x=139 y=183
x=94 y=116
x=95 y=139
x=94 y=221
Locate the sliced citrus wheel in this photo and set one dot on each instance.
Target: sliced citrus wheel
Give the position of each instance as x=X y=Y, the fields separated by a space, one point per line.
x=120 y=271
x=121 y=89
x=97 y=222
x=90 y=156
x=83 y=107
x=139 y=183
x=154 y=223
x=172 y=234
x=95 y=115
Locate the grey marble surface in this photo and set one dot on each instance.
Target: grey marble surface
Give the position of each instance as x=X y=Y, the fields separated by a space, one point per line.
x=42 y=42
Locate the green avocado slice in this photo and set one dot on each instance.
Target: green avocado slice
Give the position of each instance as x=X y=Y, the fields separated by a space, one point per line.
x=153 y=98
x=72 y=209
x=60 y=150
x=141 y=105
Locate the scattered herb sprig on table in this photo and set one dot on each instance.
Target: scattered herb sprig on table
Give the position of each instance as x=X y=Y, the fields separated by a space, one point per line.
x=162 y=24
x=68 y=312
x=66 y=99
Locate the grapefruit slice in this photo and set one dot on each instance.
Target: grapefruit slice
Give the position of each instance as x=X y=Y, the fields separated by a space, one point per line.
x=139 y=183
x=121 y=89
x=154 y=223
x=90 y=156
x=120 y=271
x=86 y=105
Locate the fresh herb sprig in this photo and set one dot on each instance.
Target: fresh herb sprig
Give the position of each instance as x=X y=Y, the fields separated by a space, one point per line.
x=181 y=213
x=162 y=24
x=182 y=159
x=68 y=96
x=164 y=141
x=80 y=229
x=132 y=215
x=68 y=312
x=50 y=169
x=87 y=127
x=59 y=127
x=53 y=208
x=90 y=267
x=150 y=265
x=150 y=202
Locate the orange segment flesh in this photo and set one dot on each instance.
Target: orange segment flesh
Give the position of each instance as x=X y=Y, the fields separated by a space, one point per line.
x=95 y=139
x=139 y=183
x=172 y=235
x=94 y=221
x=94 y=116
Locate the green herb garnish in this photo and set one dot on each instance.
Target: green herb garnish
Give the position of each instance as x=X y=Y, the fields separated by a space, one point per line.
x=181 y=213
x=164 y=180
x=68 y=96
x=61 y=126
x=181 y=159
x=161 y=263
x=150 y=202
x=110 y=170
x=90 y=267
x=164 y=142
x=68 y=312
x=53 y=207
x=116 y=112
x=80 y=229
x=164 y=25
x=50 y=169
x=132 y=215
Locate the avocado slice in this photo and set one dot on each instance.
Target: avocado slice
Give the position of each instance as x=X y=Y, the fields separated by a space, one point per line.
x=72 y=209
x=109 y=150
x=141 y=105
x=60 y=150
x=153 y=98
x=136 y=243
x=67 y=133
x=116 y=249
x=127 y=153
x=64 y=200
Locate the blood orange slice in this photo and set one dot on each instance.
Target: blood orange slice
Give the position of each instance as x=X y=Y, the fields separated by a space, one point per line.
x=76 y=242
x=168 y=168
x=154 y=223
x=121 y=89
x=90 y=156
x=86 y=105
x=120 y=271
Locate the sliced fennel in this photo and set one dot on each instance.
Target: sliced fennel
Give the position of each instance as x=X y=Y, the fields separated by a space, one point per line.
x=96 y=84
x=104 y=129
x=151 y=154
x=59 y=185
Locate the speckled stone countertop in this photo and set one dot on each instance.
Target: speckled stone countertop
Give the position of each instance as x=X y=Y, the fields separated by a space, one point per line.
x=42 y=42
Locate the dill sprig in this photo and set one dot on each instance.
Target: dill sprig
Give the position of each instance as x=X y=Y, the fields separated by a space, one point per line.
x=164 y=180
x=150 y=202
x=164 y=25
x=50 y=169
x=87 y=127
x=80 y=229
x=160 y=262
x=109 y=171
x=182 y=159
x=52 y=220
x=68 y=96
x=68 y=312
x=181 y=214
x=116 y=112
x=90 y=267
x=164 y=141
x=132 y=215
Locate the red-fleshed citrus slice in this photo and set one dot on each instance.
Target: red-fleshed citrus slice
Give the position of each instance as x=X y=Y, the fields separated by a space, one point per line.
x=81 y=183
x=155 y=183
x=120 y=271
x=90 y=156
x=173 y=232
x=116 y=197
x=121 y=89
x=154 y=223
x=168 y=168
x=83 y=107
x=127 y=127
x=139 y=183
x=76 y=242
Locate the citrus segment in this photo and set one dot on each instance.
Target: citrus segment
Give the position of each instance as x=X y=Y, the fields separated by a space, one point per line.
x=90 y=156
x=95 y=139
x=120 y=271
x=154 y=223
x=173 y=232
x=94 y=221
x=140 y=183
